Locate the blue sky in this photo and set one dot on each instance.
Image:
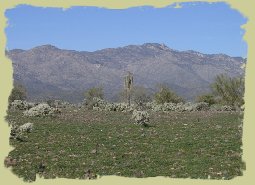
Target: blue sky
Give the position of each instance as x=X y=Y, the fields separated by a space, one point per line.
x=204 y=27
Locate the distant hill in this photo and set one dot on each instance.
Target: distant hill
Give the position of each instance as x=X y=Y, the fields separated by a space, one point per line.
x=50 y=72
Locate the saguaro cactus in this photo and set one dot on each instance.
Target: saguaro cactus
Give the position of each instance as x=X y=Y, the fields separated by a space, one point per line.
x=128 y=85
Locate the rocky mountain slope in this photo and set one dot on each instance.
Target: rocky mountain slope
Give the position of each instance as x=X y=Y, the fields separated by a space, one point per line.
x=50 y=72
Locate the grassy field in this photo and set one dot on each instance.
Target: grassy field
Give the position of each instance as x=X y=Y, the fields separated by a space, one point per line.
x=79 y=143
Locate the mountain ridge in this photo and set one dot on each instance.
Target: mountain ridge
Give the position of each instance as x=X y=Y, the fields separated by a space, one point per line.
x=126 y=46
x=50 y=72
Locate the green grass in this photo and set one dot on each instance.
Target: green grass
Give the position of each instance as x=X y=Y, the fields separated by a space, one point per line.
x=181 y=145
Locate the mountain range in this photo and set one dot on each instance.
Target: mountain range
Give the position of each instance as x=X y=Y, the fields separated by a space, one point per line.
x=48 y=72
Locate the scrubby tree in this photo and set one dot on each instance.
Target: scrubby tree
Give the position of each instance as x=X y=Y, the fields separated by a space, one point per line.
x=207 y=98
x=90 y=94
x=94 y=92
x=229 y=90
x=18 y=93
x=51 y=102
x=139 y=95
x=166 y=95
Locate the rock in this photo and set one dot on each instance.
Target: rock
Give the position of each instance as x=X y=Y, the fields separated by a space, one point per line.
x=8 y=161
x=94 y=151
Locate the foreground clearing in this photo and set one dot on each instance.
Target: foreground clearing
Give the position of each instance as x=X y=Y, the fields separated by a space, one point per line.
x=78 y=143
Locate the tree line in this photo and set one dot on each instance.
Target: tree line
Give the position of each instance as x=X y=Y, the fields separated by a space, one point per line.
x=225 y=90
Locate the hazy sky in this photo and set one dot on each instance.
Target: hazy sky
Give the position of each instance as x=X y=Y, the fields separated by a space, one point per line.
x=204 y=27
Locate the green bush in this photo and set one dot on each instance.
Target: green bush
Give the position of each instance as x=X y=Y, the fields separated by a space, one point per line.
x=165 y=95
x=41 y=110
x=18 y=93
x=207 y=98
x=92 y=94
x=21 y=105
x=229 y=90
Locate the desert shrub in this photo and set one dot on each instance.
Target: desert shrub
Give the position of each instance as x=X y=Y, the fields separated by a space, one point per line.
x=151 y=104
x=51 y=102
x=97 y=102
x=97 y=109
x=228 y=108
x=201 y=106
x=42 y=109
x=110 y=107
x=178 y=107
x=14 y=131
x=162 y=107
x=181 y=107
x=95 y=92
x=123 y=107
x=230 y=90
x=169 y=107
x=19 y=132
x=27 y=127
x=79 y=105
x=218 y=107
x=157 y=108
x=21 y=105
x=165 y=95
x=139 y=95
x=207 y=98
x=140 y=117
x=18 y=93
x=102 y=105
x=92 y=96
x=61 y=104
